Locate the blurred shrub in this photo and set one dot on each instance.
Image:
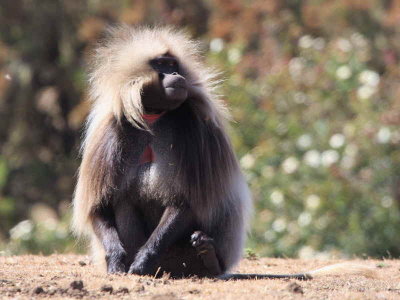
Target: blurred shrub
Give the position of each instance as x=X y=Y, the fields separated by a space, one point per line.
x=44 y=238
x=318 y=136
x=313 y=88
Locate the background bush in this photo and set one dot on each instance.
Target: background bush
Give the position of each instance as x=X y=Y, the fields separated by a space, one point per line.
x=313 y=87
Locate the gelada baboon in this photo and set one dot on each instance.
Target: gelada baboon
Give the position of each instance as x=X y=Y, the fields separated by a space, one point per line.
x=159 y=187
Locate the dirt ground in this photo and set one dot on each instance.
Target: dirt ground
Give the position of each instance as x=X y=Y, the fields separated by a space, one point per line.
x=72 y=276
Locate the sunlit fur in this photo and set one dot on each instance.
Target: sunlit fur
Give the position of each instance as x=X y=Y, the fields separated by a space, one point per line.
x=118 y=71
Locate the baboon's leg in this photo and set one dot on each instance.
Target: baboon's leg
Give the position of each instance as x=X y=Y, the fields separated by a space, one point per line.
x=131 y=230
x=120 y=230
x=103 y=223
x=175 y=223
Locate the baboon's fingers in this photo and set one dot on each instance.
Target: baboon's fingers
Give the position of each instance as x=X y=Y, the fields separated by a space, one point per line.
x=205 y=249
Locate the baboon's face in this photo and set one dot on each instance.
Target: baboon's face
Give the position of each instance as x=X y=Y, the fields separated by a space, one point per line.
x=170 y=90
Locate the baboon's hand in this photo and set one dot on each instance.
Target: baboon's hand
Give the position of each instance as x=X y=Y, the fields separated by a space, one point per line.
x=136 y=269
x=143 y=263
x=117 y=267
x=202 y=242
x=115 y=263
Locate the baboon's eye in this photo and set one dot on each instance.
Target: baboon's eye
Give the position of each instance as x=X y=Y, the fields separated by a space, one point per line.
x=165 y=64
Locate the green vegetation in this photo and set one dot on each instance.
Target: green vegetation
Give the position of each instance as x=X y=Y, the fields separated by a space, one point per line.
x=314 y=91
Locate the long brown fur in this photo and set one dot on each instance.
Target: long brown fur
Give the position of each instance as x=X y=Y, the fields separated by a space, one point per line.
x=118 y=73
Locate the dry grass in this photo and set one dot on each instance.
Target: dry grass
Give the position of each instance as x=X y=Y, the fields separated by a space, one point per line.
x=59 y=276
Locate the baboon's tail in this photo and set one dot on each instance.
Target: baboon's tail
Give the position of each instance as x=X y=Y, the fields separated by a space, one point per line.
x=336 y=269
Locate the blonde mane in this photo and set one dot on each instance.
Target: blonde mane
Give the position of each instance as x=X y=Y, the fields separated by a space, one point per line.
x=118 y=71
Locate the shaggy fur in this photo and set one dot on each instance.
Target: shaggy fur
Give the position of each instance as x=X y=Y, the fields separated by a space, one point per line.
x=194 y=165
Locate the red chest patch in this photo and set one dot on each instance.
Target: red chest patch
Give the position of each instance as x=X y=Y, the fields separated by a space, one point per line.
x=148 y=153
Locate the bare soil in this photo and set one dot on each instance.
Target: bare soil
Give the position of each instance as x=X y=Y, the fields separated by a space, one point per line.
x=72 y=276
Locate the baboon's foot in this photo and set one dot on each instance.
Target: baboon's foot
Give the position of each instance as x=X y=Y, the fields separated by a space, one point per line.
x=206 y=250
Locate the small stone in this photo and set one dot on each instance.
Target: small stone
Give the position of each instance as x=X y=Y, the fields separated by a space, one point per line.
x=38 y=290
x=139 y=288
x=122 y=290
x=76 y=285
x=52 y=291
x=82 y=263
x=61 y=291
x=107 y=288
x=295 y=288
x=4 y=281
x=168 y=296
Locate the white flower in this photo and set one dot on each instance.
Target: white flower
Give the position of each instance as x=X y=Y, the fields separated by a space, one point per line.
x=343 y=72
x=24 y=73
x=306 y=252
x=322 y=222
x=383 y=136
x=234 y=55
x=304 y=141
x=347 y=162
x=324 y=255
x=313 y=201
x=351 y=150
x=306 y=41
x=279 y=225
x=22 y=230
x=387 y=201
x=319 y=43
x=349 y=130
x=304 y=219
x=269 y=235
x=299 y=97
x=369 y=78
x=50 y=224
x=216 y=45
x=329 y=157
x=312 y=158
x=359 y=40
x=310 y=77
x=267 y=171
x=395 y=137
x=365 y=92
x=296 y=66
x=247 y=161
x=61 y=233
x=277 y=197
x=337 y=140
x=290 y=165
x=344 y=45
x=293 y=228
